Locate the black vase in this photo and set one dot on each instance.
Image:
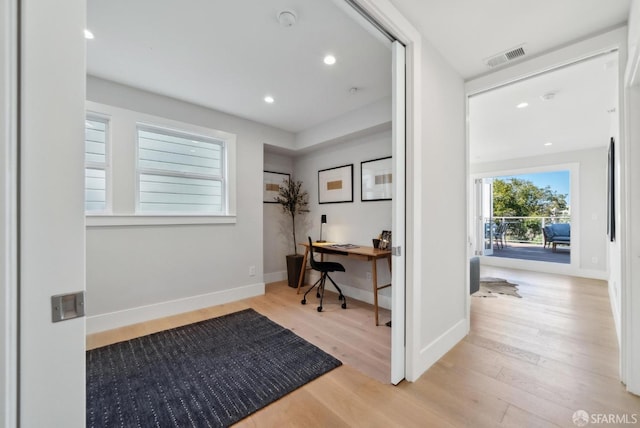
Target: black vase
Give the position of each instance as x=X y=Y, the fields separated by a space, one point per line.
x=294 y=266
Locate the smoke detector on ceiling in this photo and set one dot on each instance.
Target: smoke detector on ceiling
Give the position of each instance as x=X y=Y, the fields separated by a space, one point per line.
x=287 y=18
x=506 y=56
x=548 y=96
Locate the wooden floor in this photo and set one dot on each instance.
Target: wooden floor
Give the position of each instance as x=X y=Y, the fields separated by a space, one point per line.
x=527 y=362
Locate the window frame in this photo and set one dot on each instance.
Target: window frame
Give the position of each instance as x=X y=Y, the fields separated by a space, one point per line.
x=106 y=119
x=223 y=178
x=122 y=181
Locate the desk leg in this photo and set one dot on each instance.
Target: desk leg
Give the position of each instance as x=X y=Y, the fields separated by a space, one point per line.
x=304 y=267
x=374 y=277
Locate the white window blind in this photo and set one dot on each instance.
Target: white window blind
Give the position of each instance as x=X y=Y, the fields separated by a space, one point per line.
x=180 y=173
x=96 y=162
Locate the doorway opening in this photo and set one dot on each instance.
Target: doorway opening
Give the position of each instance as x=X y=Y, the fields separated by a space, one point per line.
x=527 y=216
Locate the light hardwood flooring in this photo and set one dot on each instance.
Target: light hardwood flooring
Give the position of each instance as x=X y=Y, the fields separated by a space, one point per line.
x=526 y=362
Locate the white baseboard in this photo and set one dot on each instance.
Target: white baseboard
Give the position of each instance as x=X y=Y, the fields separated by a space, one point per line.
x=102 y=322
x=275 y=277
x=431 y=353
x=546 y=267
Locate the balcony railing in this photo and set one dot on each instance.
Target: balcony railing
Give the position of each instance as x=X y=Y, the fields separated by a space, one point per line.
x=528 y=229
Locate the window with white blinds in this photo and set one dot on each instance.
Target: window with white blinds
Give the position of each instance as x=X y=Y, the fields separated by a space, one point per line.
x=180 y=173
x=96 y=164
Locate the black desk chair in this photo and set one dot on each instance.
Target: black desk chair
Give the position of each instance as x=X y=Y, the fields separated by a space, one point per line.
x=324 y=268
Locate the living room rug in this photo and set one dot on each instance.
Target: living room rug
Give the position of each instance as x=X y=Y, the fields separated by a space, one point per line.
x=491 y=287
x=210 y=373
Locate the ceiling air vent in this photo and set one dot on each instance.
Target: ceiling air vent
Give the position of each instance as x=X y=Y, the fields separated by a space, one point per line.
x=505 y=57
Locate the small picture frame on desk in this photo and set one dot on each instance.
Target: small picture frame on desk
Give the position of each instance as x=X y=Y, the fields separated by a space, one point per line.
x=271 y=185
x=385 y=240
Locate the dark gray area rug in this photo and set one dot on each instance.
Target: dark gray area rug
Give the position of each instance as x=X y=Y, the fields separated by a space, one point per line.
x=208 y=374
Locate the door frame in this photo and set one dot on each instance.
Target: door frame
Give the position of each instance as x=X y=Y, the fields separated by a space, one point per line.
x=398 y=216
x=630 y=210
x=604 y=43
x=385 y=14
x=9 y=367
x=480 y=186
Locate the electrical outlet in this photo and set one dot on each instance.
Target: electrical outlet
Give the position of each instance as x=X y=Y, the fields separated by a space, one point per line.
x=252 y=271
x=368 y=276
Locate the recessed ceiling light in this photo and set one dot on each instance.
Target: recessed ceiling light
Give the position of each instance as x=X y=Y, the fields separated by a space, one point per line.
x=88 y=34
x=287 y=18
x=522 y=105
x=548 y=143
x=269 y=99
x=329 y=59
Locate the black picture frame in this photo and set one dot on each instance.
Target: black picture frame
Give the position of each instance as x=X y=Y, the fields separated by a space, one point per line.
x=611 y=191
x=376 y=180
x=335 y=185
x=271 y=185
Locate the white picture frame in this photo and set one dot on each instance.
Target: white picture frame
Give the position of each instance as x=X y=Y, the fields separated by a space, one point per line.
x=271 y=185
x=376 y=180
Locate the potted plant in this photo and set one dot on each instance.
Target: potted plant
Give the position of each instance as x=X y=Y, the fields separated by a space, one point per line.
x=294 y=200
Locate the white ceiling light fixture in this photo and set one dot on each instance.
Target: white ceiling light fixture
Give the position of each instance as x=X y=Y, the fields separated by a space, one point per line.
x=88 y=34
x=287 y=18
x=522 y=105
x=548 y=143
x=269 y=99
x=329 y=60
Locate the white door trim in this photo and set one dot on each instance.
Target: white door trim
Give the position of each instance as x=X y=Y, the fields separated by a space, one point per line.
x=630 y=209
x=398 y=215
x=388 y=16
x=8 y=219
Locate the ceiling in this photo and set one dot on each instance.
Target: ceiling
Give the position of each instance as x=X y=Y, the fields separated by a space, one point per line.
x=578 y=115
x=466 y=32
x=219 y=55
x=229 y=55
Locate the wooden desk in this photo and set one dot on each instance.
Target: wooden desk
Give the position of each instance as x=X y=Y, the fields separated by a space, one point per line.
x=360 y=253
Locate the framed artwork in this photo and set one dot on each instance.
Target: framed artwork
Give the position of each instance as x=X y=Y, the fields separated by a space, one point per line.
x=272 y=181
x=611 y=191
x=377 y=180
x=335 y=185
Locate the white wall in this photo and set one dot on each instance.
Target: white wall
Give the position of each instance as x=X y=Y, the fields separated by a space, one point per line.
x=136 y=273
x=277 y=226
x=52 y=233
x=347 y=126
x=614 y=249
x=356 y=223
x=441 y=297
x=588 y=205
